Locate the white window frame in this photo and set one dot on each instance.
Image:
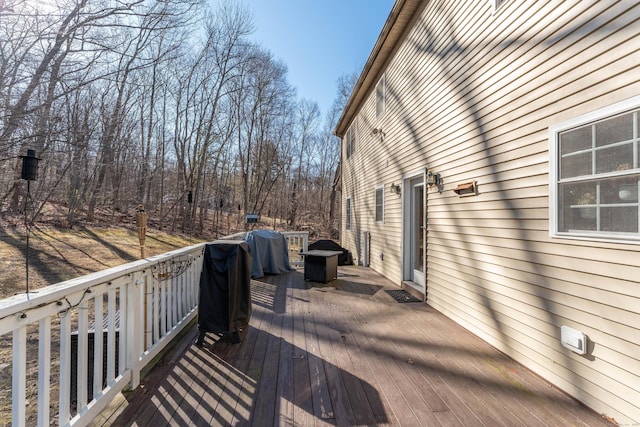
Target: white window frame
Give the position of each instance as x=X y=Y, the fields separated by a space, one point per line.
x=379 y=188
x=625 y=106
x=498 y=4
x=348 y=208
x=381 y=96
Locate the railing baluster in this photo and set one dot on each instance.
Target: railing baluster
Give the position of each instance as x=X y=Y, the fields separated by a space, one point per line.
x=169 y=302
x=163 y=314
x=81 y=355
x=156 y=310
x=179 y=290
x=111 y=335
x=98 y=344
x=44 y=371
x=19 y=374
x=174 y=301
x=122 y=341
x=65 y=368
x=148 y=307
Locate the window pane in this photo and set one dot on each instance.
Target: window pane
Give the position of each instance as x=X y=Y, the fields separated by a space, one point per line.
x=616 y=158
x=380 y=95
x=379 y=205
x=348 y=214
x=614 y=130
x=577 y=165
x=575 y=140
x=577 y=206
x=620 y=219
x=619 y=190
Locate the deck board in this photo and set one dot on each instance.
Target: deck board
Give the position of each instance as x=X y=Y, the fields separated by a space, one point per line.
x=343 y=354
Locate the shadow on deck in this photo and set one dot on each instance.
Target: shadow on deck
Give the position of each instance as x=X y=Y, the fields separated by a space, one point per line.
x=343 y=354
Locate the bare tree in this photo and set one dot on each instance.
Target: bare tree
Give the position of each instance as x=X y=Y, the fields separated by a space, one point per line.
x=262 y=102
x=307 y=121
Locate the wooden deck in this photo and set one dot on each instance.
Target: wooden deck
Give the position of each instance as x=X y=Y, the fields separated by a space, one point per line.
x=344 y=354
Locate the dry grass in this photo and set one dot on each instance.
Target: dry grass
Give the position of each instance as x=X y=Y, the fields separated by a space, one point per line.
x=56 y=255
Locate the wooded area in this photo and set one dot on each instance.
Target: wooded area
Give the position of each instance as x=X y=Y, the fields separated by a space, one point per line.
x=166 y=104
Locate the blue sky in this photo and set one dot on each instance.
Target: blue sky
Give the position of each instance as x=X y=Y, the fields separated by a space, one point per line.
x=319 y=40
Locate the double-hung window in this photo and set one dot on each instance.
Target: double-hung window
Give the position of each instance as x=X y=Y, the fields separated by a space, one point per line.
x=594 y=175
x=351 y=139
x=381 y=96
x=347 y=214
x=379 y=214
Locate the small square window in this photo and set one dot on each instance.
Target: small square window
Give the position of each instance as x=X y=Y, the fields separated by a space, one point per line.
x=379 y=214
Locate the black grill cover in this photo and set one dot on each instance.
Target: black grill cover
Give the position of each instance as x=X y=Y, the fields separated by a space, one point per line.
x=329 y=245
x=225 y=294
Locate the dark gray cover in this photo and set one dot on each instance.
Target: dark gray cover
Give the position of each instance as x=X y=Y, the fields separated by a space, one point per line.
x=329 y=245
x=225 y=287
x=269 y=252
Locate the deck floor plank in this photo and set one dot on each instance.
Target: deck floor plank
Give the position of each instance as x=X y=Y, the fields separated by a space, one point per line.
x=322 y=407
x=344 y=354
x=399 y=369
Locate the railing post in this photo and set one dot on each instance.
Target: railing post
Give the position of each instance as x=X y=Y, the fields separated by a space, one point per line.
x=19 y=381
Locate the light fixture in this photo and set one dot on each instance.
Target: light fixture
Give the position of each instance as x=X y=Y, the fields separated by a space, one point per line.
x=378 y=131
x=433 y=178
x=395 y=188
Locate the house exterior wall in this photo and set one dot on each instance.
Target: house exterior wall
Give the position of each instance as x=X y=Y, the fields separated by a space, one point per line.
x=471 y=93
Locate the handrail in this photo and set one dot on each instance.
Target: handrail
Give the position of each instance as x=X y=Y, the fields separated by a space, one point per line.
x=141 y=307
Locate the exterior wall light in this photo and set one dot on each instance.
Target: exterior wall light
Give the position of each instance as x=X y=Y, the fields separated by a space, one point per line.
x=378 y=131
x=395 y=188
x=433 y=178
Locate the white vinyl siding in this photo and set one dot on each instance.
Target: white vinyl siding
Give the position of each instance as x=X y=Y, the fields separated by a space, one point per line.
x=595 y=172
x=474 y=95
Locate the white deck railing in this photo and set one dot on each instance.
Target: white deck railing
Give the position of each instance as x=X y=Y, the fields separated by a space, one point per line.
x=297 y=243
x=73 y=368
x=141 y=307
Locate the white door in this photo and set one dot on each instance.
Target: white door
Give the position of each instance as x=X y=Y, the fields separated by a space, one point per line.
x=415 y=239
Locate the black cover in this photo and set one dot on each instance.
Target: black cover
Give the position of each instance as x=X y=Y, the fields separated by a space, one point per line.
x=329 y=245
x=225 y=293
